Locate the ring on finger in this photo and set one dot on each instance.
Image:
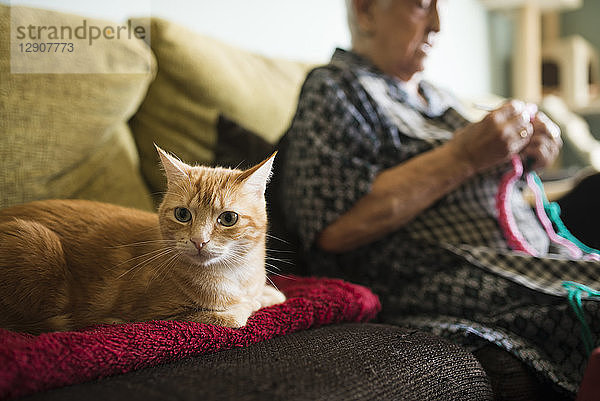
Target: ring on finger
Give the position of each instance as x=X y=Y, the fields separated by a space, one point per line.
x=523 y=133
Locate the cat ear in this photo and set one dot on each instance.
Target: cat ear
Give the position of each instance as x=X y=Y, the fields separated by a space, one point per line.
x=257 y=177
x=174 y=168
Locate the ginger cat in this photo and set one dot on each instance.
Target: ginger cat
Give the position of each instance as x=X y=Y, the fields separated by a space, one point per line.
x=67 y=264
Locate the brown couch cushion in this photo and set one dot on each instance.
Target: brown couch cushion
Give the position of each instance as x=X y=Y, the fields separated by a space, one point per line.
x=64 y=135
x=199 y=79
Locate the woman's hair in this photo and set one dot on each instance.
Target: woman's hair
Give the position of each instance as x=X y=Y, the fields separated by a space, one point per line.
x=355 y=31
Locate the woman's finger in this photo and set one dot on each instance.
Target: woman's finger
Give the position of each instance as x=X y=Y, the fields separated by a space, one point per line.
x=546 y=126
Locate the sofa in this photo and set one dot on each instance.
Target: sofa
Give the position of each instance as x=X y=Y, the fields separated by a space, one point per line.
x=69 y=133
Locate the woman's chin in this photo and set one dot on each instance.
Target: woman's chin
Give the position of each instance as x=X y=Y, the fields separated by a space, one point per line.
x=407 y=74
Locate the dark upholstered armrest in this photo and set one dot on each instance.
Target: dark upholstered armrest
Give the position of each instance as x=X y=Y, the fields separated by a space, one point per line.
x=338 y=362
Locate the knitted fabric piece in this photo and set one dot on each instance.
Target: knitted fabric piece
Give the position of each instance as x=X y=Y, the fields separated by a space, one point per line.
x=34 y=363
x=338 y=362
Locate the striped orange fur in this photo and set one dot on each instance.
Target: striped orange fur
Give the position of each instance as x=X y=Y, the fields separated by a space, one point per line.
x=67 y=264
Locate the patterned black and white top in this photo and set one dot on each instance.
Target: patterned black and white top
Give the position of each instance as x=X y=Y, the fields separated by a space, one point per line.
x=449 y=270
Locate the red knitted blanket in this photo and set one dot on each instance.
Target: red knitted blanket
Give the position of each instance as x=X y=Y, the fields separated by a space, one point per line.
x=34 y=363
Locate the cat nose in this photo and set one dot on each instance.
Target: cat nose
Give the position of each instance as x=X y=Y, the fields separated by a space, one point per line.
x=199 y=243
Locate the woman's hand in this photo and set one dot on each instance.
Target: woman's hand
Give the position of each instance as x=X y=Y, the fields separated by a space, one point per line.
x=545 y=143
x=401 y=193
x=499 y=135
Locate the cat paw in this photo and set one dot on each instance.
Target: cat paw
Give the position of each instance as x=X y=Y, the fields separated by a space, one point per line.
x=233 y=321
x=233 y=317
x=271 y=296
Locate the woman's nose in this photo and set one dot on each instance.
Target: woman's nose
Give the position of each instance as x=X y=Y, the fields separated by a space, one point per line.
x=434 y=18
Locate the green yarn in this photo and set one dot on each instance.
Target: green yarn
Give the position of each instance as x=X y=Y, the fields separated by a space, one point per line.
x=575 y=291
x=552 y=209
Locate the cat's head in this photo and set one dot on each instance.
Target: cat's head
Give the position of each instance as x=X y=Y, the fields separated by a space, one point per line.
x=215 y=215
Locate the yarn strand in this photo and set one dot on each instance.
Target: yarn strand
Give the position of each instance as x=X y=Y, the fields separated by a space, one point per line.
x=574 y=250
x=548 y=214
x=513 y=235
x=553 y=211
x=574 y=293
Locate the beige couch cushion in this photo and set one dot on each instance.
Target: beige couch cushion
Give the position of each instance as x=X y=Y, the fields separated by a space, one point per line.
x=66 y=135
x=199 y=79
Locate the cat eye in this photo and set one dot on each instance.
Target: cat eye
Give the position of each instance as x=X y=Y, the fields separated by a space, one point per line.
x=182 y=214
x=227 y=219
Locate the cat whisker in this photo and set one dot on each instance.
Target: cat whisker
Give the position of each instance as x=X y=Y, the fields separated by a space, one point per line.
x=275 y=273
x=138 y=257
x=230 y=262
x=164 y=268
x=149 y=258
x=279 y=251
x=237 y=253
x=287 y=277
x=289 y=262
x=158 y=269
x=156 y=241
x=237 y=258
x=163 y=252
x=272 y=283
x=277 y=238
x=271 y=266
x=167 y=254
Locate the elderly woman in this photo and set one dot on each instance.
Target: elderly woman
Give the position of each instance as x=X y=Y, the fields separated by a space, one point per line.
x=385 y=182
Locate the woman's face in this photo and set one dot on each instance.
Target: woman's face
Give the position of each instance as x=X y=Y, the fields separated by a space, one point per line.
x=400 y=34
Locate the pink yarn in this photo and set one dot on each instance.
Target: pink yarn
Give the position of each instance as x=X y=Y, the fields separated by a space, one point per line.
x=34 y=363
x=507 y=222
x=592 y=256
x=513 y=236
x=547 y=224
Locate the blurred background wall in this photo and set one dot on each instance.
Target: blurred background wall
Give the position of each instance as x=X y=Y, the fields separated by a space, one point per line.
x=473 y=53
x=306 y=30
